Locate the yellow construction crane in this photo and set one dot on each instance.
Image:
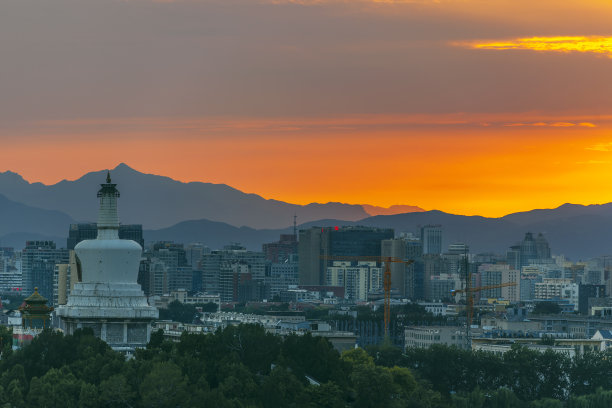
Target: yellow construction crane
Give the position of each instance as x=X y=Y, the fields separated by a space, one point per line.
x=387 y=260
x=469 y=304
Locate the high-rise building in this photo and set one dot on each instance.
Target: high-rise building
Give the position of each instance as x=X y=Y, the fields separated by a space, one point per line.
x=281 y=250
x=542 y=247
x=498 y=274
x=317 y=243
x=403 y=277
x=529 y=250
x=10 y=270
x=433 y=266
x=224 y=270
x=194 y=253
x=83 y=231
x=283 y=275
x=586 y=292
x=431 y=239
x=38 y=265
x=359 y=278
x=165 y=268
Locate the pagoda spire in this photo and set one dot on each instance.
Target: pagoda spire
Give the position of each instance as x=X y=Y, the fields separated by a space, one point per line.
x=108 y=220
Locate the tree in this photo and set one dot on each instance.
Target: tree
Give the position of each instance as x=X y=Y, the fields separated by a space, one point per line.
x=116 y=392
x=178 y=312
x=237 y=382
x=546 y=403
x=56 y=388
x=474 y=399
x=326 y=395
x=157 y=338
x=590 y=371
x=281 y=389
x=546 y=308
x=505 y=398
x=88 y=397
x=210 y=307
x=15 y=394
x=313 y=356
x=164 y=387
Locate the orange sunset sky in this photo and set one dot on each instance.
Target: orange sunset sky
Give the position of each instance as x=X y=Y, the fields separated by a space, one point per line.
x=466 y=106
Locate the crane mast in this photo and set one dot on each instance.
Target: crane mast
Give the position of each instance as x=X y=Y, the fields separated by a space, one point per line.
x=387 y=260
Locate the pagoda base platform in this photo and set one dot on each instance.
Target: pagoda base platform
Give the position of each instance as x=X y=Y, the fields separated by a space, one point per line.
x=118 y=313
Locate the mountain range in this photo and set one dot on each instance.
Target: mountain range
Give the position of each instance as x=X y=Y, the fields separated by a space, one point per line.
x=216 y=214
x=158 y=202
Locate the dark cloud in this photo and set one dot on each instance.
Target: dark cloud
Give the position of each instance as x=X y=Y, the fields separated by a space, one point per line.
x=94 y=58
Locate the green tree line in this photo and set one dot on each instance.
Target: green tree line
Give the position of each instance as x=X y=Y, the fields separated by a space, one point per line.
x=243 y=366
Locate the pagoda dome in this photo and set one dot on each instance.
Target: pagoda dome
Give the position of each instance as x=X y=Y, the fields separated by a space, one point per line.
x=108 y=258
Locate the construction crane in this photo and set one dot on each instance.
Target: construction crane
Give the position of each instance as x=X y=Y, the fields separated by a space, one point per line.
x=387 y=260
x=469 y=304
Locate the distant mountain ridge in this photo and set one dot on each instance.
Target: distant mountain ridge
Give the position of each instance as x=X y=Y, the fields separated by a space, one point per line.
x=20 y=222
x=392 y=210
x=171 y=210
x=158 y=201
x=580 y=236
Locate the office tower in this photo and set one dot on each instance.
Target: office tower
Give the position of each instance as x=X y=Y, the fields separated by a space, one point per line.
x=283 y=275
x=83 y=231
x=194 y=253
x=542 y=247
x=359 y=278
x=528 y=251
x=281 y=250
x=38 y=265
x=317 y=243
x=498 y=274
x=433 y=266
x=431 y=239
x=10 y=270
x=224 y=270
x=403 y=275
x=513 y=257
x=588 y=292
x=177 y=273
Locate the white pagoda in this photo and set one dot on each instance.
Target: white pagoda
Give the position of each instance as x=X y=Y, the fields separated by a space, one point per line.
x=108 y=299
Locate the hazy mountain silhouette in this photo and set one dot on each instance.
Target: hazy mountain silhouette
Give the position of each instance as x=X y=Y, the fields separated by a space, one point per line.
x=157 y=201
x=577 y=237
x=213 y=214
x=374 y=210
x=20 y=222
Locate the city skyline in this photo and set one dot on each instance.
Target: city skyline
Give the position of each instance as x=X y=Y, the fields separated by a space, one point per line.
x=469 y=107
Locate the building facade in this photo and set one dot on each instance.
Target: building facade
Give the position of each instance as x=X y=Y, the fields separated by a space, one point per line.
x=316 y=244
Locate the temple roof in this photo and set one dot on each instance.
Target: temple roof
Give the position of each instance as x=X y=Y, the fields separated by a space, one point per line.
x=35 y=305
x=36 y=298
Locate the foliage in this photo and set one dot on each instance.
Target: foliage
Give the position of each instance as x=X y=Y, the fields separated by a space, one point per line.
x=178 y=312
x=210 y=307
x=243 y=366
x=547 y=308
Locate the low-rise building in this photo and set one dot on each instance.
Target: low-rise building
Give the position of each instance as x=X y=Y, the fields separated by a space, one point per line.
x=569 y=347
x=426 y=336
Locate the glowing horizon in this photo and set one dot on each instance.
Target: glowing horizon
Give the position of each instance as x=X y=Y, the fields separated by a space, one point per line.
x=375 y=160
x=465 y=106
x=564 y=44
